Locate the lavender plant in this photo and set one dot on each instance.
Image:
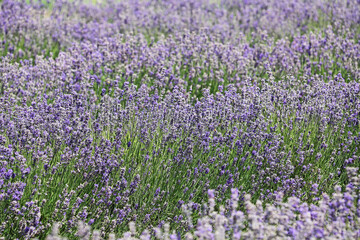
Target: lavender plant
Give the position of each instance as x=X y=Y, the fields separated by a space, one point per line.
x=155 y=113
x=329 y=219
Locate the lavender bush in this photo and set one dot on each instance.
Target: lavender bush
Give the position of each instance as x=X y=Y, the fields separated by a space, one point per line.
x=157 y=113
x=329 y=219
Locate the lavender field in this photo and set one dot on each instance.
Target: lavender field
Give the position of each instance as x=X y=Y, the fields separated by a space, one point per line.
x=180 y=119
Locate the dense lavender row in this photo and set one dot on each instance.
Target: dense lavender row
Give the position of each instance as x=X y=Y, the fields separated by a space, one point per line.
x=192 y=61
x=36 y=29
x=332 y=218
x=135 y=151
x=130 y=112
